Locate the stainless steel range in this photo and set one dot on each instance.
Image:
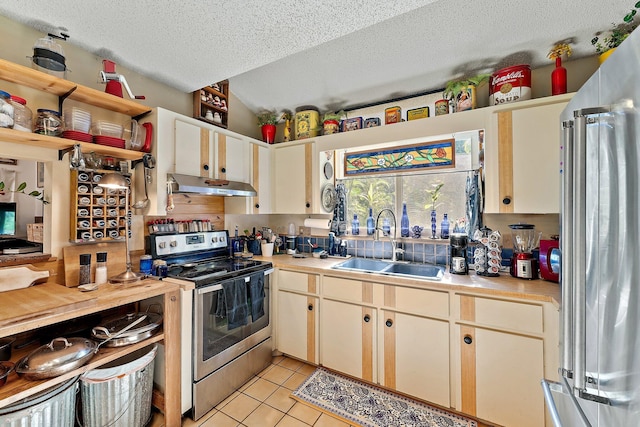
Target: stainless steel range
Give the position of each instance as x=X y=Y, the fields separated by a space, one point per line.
x=226 y=316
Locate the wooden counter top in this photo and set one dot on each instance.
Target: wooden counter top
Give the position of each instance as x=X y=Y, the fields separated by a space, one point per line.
x=19 y=259
x=503 y=286
x=41 y=305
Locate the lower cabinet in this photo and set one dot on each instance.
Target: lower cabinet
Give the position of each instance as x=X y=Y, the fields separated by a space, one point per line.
x=296 y=322
x=347 y=339
x=502 y=359
x=415 y=354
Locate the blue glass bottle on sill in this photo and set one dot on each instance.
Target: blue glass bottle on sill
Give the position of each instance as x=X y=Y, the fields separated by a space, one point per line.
x=433 y=223
x=444 y=227
x=371 y=225
x=355 y=225
x=404 y=222
x=386 y=227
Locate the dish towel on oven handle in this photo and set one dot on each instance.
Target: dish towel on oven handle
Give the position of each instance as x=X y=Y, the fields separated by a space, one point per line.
x=235 y=299
x=256 y=295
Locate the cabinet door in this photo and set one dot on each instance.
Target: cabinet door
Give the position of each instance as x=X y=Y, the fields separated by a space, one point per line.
x=193 y=149
x=293 y=179
x=523 y=160
x=296 y=325
x=500 y=374
x=415 y=355
x=234 y=158
x=261 y=181
x=347 y=340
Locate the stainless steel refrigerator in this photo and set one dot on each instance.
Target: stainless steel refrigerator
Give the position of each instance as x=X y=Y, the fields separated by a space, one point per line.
x=600 y=250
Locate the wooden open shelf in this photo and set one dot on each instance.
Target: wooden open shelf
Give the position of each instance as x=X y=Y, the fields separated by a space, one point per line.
x=35 y=79
x=18 y=388
x=200 y=107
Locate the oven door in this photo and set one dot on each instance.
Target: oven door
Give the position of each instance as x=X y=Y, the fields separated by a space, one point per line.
x=217 y=337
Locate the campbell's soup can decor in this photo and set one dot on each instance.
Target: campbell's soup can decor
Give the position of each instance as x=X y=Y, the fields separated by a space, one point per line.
x=510 y=84
x=442 y=107
x=307 y=122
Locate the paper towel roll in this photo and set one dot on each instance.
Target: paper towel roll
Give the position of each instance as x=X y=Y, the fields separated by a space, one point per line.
x=323 y=224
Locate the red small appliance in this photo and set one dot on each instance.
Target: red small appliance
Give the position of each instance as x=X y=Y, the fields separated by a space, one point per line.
x=550 y=260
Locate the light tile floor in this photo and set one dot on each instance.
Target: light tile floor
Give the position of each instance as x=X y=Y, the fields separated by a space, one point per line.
x=264 y=402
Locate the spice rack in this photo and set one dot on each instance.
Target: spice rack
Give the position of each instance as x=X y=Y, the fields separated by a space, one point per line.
x=97 y=214
x=213 y=100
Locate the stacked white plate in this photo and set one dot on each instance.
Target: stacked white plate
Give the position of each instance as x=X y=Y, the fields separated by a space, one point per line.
x=103 y=128
x=77 y=119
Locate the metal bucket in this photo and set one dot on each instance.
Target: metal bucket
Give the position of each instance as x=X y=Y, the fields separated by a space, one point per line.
x=55 y=406
x=119 y=393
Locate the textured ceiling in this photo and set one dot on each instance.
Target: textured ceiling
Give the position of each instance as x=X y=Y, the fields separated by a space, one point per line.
x=332 y=54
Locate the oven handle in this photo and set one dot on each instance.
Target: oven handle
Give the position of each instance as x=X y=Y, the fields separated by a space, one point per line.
x=218 y=286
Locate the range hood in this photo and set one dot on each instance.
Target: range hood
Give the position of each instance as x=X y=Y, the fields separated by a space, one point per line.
x=214 y=187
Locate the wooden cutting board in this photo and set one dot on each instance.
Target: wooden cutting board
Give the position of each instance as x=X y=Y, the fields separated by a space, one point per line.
x=116 y=260
x=21 y=276
x=40 y=300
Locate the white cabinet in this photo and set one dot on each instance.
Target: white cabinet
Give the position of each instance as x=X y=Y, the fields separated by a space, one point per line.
x=297 y=315
x=261 y=180
x=192 y=149
x=522 y=157
x=501 y=345
x=347 y=342
x=292 y=179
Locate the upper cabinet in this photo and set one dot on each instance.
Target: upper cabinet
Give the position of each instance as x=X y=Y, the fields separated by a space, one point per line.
x=292 y=178
x=188 y=146
x=522 y=157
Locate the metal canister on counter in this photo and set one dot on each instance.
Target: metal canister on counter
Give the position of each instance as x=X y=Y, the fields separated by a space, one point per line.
x=160 y=268
x=48 y=122
x=307 y=122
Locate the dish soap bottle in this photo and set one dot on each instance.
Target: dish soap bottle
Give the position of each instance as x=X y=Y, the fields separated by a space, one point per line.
x=355 y=225
x=371 y=225
x=444 y=228
x=404 y=222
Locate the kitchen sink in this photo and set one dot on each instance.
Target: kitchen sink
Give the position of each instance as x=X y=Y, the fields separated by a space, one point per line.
x=363 y=264
x=421 y=271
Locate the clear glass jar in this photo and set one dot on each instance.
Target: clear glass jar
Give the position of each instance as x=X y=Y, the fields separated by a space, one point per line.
x=48 y=122
x=6 y=110
x=22 y=115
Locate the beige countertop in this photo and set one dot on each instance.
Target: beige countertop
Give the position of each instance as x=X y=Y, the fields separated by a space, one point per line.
x=504 y=285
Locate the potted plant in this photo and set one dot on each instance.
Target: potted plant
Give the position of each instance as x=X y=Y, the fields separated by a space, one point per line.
x=331 y=122
x=267 y=121
x=463 y=91
x=619 y=33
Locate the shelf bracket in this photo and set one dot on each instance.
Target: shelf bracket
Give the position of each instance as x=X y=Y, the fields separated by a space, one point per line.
x=64 y=151
x=135 y=162
x=142 y=115
x=63 y=97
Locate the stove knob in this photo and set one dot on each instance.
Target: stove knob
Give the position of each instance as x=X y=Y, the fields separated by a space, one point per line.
x=162 y=245
x=173 y=243
x=214 y=239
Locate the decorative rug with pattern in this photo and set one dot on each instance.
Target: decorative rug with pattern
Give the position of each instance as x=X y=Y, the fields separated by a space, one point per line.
x=359 y=403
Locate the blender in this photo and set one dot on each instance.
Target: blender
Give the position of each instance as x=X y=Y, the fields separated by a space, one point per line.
x=525 y=240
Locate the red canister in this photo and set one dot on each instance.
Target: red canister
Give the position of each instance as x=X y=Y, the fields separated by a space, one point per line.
x=510 y=84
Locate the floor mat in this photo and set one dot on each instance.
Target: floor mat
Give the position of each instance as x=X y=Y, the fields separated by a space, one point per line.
x=361 y=404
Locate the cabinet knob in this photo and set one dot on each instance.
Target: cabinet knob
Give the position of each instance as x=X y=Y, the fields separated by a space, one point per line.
x=257 y=206
x=367 y=318
x=205 y=167
x=468 y=339
x=310 y=307
x=506 y=200
x=308 y=205
x=223 y=170
x=389 y=323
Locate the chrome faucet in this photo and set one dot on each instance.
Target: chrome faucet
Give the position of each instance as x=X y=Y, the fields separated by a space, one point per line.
x=394 y=244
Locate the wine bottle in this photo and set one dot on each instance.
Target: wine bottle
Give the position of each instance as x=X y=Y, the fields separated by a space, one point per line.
x=371 y=225
x=444 y=227
x=355 y=225
x=404 y=222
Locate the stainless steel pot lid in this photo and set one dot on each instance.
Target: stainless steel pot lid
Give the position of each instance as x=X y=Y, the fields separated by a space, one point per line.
x=112 y=326
x=61 y=355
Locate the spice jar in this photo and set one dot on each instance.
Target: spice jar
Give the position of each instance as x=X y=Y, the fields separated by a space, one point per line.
x=101 y=268
x=48 y=122
x=6 y=110
x=85 y=269
x=22 y=115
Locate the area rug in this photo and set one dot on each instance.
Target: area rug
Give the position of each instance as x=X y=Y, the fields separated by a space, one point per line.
x=361 y=404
